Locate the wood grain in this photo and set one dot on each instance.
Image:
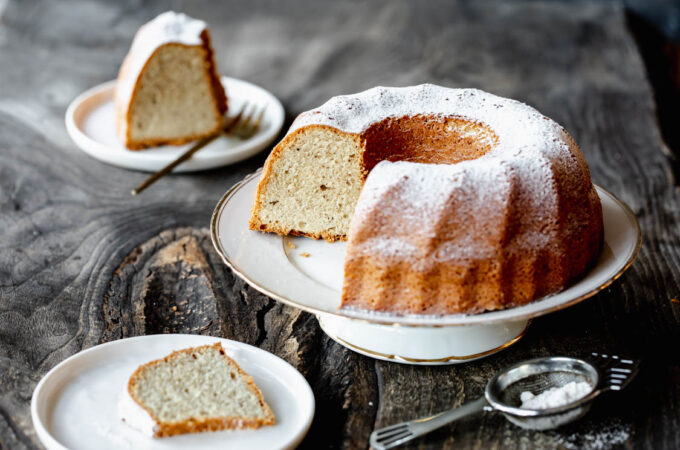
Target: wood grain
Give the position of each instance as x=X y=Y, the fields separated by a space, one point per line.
x=82 y=262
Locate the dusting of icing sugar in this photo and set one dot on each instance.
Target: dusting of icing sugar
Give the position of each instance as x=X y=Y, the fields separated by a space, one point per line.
x=557 y=396
x=520 y=165
x=422 y=189
x=168 y=27
x=516 y=124
x=134 y=415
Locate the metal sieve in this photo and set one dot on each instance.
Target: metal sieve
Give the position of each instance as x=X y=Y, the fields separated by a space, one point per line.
x=502 y=393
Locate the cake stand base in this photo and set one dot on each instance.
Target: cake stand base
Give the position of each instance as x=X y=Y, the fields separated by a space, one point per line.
x=422 y=345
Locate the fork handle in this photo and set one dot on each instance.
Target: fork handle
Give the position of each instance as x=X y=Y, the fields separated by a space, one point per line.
x=424 y=425
x=167 y=169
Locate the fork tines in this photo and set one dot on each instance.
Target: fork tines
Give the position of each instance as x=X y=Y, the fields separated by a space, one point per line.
x=391 y=436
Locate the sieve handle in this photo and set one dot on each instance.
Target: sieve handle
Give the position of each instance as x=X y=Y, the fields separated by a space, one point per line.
x=400 y=433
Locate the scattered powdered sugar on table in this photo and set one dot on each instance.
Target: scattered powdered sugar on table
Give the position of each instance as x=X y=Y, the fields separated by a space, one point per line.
x=556 y=396
x=597 y=435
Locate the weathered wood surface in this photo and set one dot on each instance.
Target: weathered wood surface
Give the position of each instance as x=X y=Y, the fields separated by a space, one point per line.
x=82 y=262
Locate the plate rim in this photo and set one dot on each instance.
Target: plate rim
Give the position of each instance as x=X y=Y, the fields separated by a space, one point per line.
x=45 y=435
x=94 y=148
x=384 y=321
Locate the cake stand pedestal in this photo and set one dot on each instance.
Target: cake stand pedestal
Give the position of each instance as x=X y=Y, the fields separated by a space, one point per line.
x=422 y=345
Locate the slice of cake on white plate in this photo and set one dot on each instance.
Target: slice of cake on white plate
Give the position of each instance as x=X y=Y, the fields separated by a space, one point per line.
x=193 y=390
x=168 y=91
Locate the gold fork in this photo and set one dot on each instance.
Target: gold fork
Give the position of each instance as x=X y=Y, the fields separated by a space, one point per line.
x=243 y=126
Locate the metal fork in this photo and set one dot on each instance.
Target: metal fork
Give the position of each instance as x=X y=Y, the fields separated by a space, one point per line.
x=243 y=126
x=395 y=435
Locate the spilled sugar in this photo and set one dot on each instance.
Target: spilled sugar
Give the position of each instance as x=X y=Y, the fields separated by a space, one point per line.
x=597 y=436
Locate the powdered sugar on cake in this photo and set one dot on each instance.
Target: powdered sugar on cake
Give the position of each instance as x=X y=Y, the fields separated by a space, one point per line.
x=134 y=415
x=517 y=125
x=423 y=189
x=522 y=163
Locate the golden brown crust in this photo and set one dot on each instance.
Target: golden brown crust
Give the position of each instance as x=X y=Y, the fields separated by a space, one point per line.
x=328 y=237
x=219 y=96
x=215 y=424
x=165 y=429
x=123 y=111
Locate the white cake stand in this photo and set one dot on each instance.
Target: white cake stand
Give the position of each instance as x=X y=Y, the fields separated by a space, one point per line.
x=307 y=274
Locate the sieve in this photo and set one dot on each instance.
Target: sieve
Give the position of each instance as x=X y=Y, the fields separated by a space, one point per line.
x=502 y=393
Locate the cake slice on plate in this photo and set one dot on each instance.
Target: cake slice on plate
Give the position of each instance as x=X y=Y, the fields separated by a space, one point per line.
x=193 y=390
x=168 y=91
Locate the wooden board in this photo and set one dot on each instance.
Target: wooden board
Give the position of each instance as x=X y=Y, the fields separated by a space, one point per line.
x=82 y=262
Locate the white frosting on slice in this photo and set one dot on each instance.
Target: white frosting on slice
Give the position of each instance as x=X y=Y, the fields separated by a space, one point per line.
x=169 y=27
x=134 y=415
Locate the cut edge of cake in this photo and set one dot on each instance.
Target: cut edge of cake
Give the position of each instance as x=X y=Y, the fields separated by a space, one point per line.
x=157 y=40
x=331 y=190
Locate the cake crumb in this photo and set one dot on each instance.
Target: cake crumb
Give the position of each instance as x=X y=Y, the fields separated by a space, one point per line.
x=675 y=300
x=174 y=308
x=305 y=254
x=291 y=245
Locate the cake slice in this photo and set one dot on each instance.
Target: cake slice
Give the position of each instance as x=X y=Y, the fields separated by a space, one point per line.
x=168 y=91
x=193 y=390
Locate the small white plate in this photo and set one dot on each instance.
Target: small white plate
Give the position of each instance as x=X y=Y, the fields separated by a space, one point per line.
x=308 y=274
x=90 y=123
x=75 y=405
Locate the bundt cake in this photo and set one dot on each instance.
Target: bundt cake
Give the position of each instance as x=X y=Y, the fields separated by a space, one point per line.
x=168 y=91
x=459 y=201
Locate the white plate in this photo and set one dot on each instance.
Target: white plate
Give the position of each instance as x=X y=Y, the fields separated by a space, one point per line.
x=270 y=265
x=75 y=405
x=90 y=123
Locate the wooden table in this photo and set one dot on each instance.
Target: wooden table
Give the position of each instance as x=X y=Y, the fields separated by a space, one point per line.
x=82 y=262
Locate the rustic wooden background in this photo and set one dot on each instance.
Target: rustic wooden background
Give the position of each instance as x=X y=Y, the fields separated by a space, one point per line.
x=82 y=262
